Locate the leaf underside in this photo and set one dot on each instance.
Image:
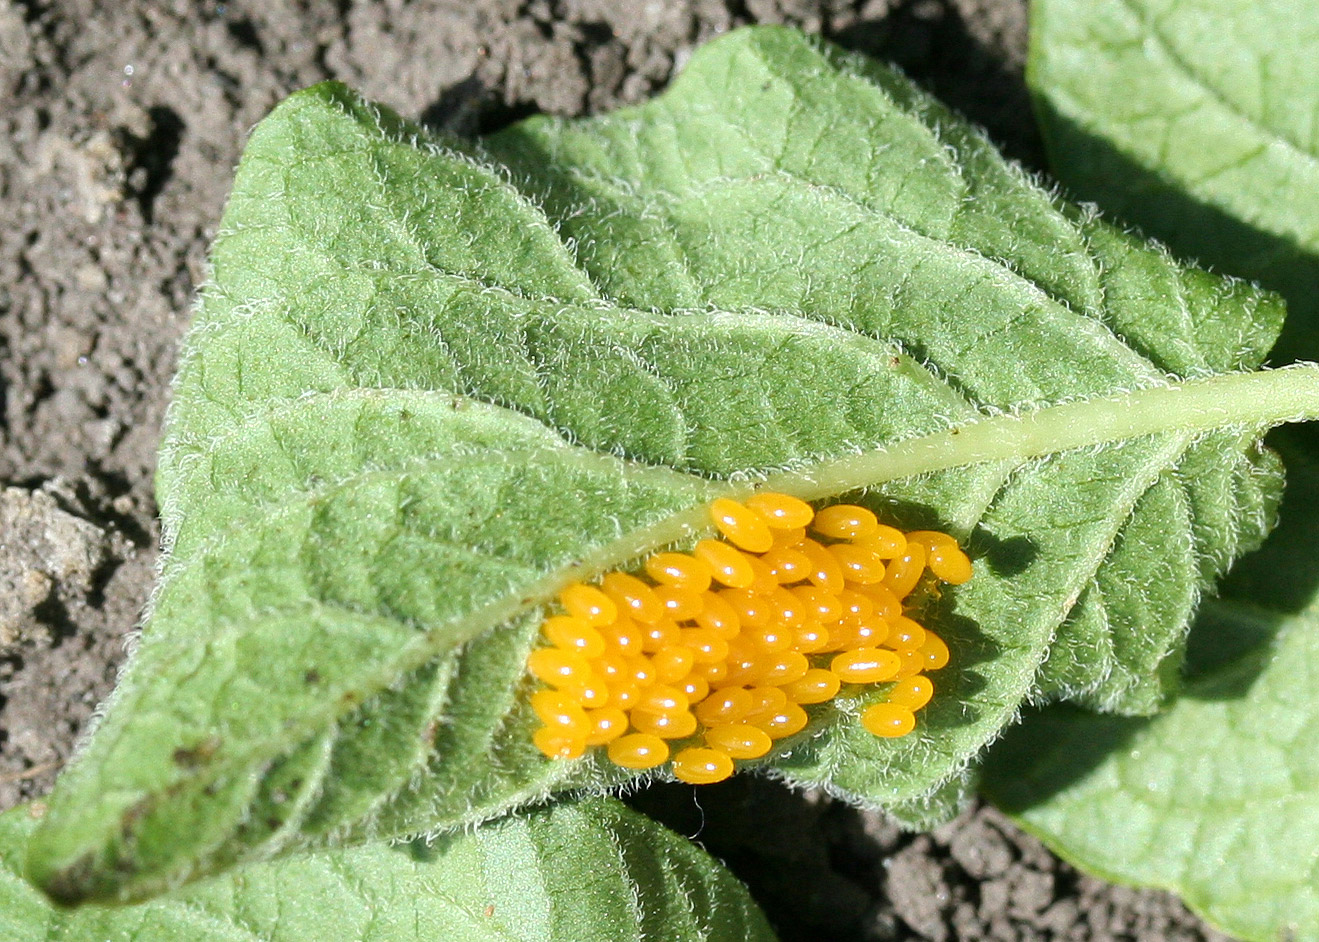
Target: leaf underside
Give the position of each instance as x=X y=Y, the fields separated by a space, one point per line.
x=1217 y=797
x=518 y=880
x=430 y=382
x=1194 y=120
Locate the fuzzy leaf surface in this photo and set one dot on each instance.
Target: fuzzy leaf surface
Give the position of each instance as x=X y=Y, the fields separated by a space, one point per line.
x=430 y=384
x=592 y=871
x=1217 y=798
x=1194 y=119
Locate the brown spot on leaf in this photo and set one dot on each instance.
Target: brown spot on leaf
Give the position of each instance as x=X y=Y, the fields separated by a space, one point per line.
x=74 y=883
x=195 y=756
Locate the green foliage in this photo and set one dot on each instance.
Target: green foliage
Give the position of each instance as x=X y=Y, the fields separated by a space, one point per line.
x=430 y=383
x=522 y=879
x=1216 y=798
x=1194 y=120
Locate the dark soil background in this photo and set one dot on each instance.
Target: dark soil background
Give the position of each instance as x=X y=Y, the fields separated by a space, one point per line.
x=121 y=125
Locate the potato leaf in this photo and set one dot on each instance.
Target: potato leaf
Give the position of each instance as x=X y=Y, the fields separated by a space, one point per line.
x=593 y=871
x=1194 y=119
x=1217 y=798
x=430 y=384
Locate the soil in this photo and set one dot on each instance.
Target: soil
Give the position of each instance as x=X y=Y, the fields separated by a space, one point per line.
x=121 y=125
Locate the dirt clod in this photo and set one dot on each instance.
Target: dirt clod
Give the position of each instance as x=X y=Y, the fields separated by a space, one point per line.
x=48 y=559
x=916 y=888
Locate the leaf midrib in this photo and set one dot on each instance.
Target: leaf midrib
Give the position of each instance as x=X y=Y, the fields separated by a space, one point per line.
x=790 y=326
x=1045 y=431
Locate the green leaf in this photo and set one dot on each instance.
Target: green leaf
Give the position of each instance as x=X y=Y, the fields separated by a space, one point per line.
x=1218 y=797
x=431 y=384
x=593 y=871
x=1195 y=120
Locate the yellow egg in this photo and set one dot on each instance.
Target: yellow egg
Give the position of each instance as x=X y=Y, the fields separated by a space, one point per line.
x=739 y=740
x=741 y=525
x=824 y=571
x=815 y=686
x=783 y=668
x=787 y=564
x=695 y=687
x=810 y=638
x=558 y=745
x=752 y=610
x=624 y=636
x=905 y=571
x=888 y=720
x=912 y=692
x=606 y=725
x=573 y=634
x=698 y=766
x=589 y=604
x=672 y=663
x=679 y=604
x=638 y=751
x=866 y=665
x=934 y=651
x=727 y=564
x=905 y=635
x=661 y=634
x=680 y=571
x=678 y=724
x=845 y=522
x=662 y=698
x=723 y=706
x=706 y=644
x=718 y=616
x=561 y=712
x=781 y=511
x=860 y=565
x=557 y=667
x=779 y=723
x=632 y=596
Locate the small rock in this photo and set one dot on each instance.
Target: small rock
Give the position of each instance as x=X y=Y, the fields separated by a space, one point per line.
x=994 y=896
x=20 y=593
x=1061 y=916
x=43 y=550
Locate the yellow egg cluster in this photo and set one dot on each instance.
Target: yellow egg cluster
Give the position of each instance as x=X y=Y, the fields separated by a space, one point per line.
x=732 y=639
